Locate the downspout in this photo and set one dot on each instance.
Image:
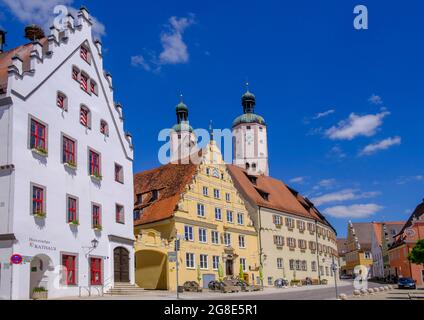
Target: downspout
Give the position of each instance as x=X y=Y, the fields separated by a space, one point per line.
x=260 y=241
x=316 y=239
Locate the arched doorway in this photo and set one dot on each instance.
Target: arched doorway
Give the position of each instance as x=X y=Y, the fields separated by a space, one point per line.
x=151 y=270
x=41 y=267
x=121 y=260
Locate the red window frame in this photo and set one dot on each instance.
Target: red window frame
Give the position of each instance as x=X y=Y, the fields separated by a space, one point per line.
x=85 y=117
x=96 y=215
x=93 y=87
x=94 y=163
x=104 y=128
x=72 y=209
x=84 y=53
x=60 y=101
x=69 y=262
x=37 y=200
x=119 y=173
x=96 y=271
x=120 y=217
x=75 y=73
x=68 y=150
x=84 y=82
x=38 y=135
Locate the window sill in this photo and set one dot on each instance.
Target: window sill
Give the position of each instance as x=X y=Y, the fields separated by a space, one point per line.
x=97 y=178
x=40 y=215
x=70 y=165
x=40 y=152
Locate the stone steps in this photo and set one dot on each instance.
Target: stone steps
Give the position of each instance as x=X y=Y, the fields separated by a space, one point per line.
x=125 y=289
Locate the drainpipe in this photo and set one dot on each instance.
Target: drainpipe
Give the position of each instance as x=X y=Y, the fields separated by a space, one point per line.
x=260 y=242
x=316 y=239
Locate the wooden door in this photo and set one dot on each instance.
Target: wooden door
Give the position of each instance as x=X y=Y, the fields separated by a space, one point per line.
x=121 y=265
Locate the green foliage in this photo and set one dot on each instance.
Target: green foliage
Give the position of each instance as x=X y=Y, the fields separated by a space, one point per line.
x=417 y=254
x=39 y=290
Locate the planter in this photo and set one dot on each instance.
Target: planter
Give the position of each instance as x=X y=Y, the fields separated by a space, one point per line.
x=40 y=215
x=70 y=165
x=40 y=151
x=74 y=223
x=97 y=178
x=40 y=294
x=97 y=228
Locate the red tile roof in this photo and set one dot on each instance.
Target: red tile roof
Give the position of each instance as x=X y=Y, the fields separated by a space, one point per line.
x=24 y=52
x=280 y=196
x=170 y=181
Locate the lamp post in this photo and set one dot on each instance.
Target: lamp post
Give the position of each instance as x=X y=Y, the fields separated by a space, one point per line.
x=334 y=267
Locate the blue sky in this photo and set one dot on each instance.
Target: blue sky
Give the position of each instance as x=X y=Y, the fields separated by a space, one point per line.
x=344 y=107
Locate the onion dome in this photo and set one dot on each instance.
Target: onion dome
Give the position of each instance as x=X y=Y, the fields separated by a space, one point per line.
x=249 y=118
x=181 y=107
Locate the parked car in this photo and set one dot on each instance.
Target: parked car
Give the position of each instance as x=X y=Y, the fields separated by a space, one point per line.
x=192 y=286
x=279 y=283
x=407 y=283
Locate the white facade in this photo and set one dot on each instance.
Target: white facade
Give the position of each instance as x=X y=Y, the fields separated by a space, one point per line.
x=250 y=141
x=44 y=241
x=183 y=144
x=251 y=148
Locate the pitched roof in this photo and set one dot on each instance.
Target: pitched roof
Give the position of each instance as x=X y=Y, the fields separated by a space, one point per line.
x=23 y=52
x=418 y=212
x=170 y=181
x=280 y=196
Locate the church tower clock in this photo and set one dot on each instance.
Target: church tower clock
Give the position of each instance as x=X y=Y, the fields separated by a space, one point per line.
x=250 y=139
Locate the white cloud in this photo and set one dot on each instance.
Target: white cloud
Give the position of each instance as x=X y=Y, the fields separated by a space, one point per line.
x=375 y=99
x=298 y=180
x=326 y=184
x=343 y=195
x=382 y=145
x=336 y=152
x=174 y=49
x=40 y=12
x=356 y=211
x=324 y=114
x=405 y=180
x=140 y=61
x=355 y=126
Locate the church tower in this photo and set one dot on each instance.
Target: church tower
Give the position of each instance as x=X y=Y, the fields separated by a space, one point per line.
x=183 y=139
x=250 y=138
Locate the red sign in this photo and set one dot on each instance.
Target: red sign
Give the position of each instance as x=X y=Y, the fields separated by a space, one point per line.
x=16 y=259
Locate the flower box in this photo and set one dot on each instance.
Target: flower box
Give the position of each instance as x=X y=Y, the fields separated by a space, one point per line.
x=71 y=165
x=98 y=228
x=40 y=151
x=39 y=294
x=40 y=215
x=96 y=177
x=74 y=223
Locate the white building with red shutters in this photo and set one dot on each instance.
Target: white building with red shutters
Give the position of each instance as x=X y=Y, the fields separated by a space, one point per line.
x=66 y=180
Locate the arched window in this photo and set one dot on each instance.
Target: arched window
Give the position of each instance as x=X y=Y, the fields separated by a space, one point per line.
x=62 y=101
x=85 y=117
x=104 y=128
x=93 y=87
x=247 y=166
x=75 y=73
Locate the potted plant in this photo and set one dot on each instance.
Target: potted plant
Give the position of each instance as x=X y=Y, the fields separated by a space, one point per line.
x=39 y=293
x=41 y=151
x=74 y=222
x=71 y=164
x=97 y=176
x=40 y=215
x=97 y=227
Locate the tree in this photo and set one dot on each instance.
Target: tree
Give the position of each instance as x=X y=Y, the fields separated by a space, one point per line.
x=417 y=254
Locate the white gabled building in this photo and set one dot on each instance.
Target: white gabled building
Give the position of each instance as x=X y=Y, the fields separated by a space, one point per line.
x=66 y=179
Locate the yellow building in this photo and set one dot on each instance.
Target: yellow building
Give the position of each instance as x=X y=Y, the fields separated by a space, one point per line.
x=199 y=204
x=358 y=247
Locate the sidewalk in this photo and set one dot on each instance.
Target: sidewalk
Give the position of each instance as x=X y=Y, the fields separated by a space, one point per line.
x=206 y=294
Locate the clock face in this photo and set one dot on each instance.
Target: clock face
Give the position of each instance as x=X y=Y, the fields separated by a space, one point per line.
x=249 y=137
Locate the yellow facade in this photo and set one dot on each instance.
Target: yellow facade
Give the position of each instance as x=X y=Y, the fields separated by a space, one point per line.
x=228 y=237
